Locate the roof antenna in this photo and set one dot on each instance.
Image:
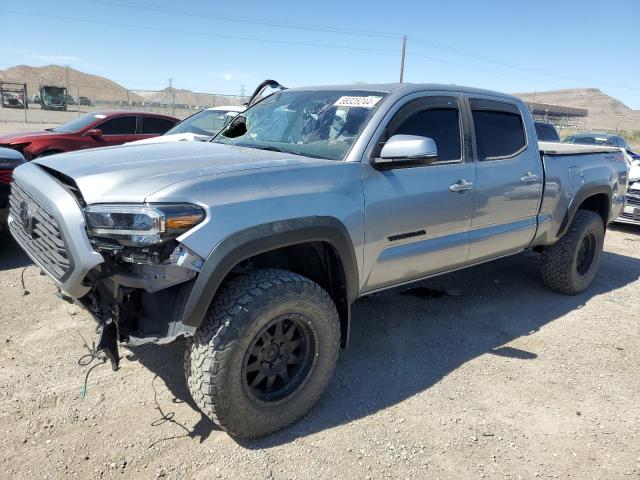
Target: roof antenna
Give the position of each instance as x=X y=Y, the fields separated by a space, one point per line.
x=404 y=51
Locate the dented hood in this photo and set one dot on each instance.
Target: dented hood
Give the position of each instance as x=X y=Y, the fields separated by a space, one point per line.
x=131 y=173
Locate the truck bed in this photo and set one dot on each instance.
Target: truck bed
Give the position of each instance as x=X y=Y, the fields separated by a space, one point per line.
x=556 y=148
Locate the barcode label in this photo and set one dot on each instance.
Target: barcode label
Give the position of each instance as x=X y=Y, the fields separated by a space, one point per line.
x=365 y=102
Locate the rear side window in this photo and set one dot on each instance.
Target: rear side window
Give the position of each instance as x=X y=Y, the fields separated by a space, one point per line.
x=156 y=125
x=119 y=126
x=499 y=132
x=546 y=133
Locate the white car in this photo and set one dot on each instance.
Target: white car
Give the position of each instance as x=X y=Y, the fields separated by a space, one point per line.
x=631 y=212
x=200 y=126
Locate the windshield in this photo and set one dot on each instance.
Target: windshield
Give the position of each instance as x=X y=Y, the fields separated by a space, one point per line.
x=79 y=123
x=206 y=122
x=321 y=124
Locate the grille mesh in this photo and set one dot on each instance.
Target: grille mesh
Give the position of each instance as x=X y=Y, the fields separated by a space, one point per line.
x=633 y=200
x=45 y=242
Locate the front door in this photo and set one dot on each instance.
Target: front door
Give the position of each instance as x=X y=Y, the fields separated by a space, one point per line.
x=117 y=131
x=416 y=223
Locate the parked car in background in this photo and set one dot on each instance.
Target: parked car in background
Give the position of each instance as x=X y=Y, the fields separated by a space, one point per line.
x=84 y=101
x=255 y=244
x=631 y=212
x=206 y=123
x=604 y=139
x=200 y=126
x=13 y=100
x=546 y=132
x=92 y=130
x=9 y=160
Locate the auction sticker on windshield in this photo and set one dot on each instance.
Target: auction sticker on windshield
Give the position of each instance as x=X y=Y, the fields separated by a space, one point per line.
x=365 y=102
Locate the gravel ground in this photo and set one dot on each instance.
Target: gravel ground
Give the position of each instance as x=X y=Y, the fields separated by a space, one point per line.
x=498 y=378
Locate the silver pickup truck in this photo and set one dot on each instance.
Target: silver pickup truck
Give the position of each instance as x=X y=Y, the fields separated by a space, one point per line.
x=254 y=245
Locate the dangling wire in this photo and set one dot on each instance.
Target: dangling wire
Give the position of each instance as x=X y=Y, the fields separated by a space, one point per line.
x=88 y=358
x=25 y=292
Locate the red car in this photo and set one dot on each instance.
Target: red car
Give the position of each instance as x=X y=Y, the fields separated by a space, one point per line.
x=92 y=130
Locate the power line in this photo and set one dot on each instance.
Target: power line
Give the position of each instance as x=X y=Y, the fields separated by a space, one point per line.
x=250 y=20
x=320 y=28
x=195 y=33
x=479 y=69
x=502 y=63
x=345 y=31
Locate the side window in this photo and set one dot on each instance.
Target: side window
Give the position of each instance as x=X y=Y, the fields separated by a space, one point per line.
x=119 y=126
x=156 y=125
x=499 y=129
x=546 y=133
x=435 y=117
x=550 y=134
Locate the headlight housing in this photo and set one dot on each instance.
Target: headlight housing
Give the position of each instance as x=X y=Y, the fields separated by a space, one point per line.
x=142 y=225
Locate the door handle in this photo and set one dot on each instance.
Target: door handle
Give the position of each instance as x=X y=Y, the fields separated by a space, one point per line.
x=461 y=186
x=529 y=178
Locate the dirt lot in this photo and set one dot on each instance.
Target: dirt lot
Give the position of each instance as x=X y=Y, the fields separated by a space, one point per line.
x=499 y=378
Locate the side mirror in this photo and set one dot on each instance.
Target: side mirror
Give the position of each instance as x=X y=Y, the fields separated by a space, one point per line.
x=94 y=132
x=407 y=151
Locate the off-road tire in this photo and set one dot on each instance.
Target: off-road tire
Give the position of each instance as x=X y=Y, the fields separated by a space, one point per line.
x=560 y=260
x=215 y=355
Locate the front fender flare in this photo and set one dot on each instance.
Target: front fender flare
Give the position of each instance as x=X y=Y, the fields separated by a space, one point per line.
x=262 y=238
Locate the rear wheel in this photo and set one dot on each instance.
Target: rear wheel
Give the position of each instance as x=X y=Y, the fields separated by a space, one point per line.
x=265 y=352
x=570 y=265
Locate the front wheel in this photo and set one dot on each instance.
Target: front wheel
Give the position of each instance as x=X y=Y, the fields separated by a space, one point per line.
x=264 y=353
x=570 y=265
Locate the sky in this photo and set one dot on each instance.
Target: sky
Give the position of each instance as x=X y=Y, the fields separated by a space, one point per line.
x=222 y=47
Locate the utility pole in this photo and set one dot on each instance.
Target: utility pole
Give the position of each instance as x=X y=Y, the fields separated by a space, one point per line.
x=67 y=77
x=173 y=98
x=242 y=93
x=404 y=52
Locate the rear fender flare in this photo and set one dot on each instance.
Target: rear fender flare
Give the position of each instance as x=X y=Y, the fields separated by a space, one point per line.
x=580 y=196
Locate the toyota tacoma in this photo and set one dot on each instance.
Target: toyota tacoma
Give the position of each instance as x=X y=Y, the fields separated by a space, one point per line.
x=255 y=244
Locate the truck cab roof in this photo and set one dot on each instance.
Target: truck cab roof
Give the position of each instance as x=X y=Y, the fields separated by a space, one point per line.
x=407 y=88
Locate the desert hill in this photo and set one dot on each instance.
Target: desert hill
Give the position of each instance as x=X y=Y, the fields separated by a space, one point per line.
x=78 y=83
x=605 y=112
x=187 y=97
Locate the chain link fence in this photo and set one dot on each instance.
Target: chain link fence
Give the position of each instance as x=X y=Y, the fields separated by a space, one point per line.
x=175 y=102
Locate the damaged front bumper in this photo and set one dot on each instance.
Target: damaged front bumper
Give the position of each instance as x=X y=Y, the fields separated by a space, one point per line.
x=132 y=301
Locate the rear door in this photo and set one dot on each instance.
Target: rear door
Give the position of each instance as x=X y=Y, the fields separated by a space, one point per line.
x=416 y=223
x=151 y=126
x=117 y=131
x=509 y=178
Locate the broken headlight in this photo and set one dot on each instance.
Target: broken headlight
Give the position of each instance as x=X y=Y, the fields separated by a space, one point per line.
x=142 y=225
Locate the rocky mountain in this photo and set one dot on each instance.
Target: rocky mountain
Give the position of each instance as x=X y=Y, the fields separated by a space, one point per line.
x=77 y=82
x=605 y=112
x=187 y=97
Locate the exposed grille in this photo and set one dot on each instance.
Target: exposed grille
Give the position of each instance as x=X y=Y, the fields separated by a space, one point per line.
x=628 y=216
x=42 y=236
x=633 y=200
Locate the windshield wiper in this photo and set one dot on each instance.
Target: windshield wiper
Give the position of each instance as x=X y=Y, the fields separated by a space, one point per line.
x=271 y=148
